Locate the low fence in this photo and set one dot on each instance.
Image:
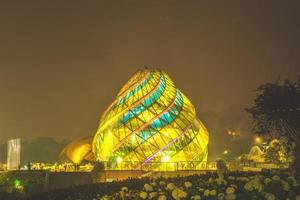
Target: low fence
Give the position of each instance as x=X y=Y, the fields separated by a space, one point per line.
x=192 y=165
x=162 y=166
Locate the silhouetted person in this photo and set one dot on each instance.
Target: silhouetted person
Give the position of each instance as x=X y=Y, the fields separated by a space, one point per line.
x=28 y=166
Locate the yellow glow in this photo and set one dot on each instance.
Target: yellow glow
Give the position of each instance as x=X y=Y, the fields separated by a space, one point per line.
x=107 y=145
x=225 y=152
x=166 y=158
x=150 y=121
x=258 y=140
x=119 y=160
x=78 y=154
x=79 y=149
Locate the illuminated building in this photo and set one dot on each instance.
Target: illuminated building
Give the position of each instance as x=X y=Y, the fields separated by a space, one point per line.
x=79 y=150
x=13 y=154
x=150 y=123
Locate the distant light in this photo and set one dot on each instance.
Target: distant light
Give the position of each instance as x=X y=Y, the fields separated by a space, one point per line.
x=233 y=133
x=17 y=183
x=119 y=160
x=225 y=152
x=258 y=140
x=166 y=158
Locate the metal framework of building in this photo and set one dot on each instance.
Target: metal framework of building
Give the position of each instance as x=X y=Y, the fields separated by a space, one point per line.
x=150 y=123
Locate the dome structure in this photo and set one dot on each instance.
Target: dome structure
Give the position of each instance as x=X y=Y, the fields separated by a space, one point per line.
x=79 y=150
x=150 y=122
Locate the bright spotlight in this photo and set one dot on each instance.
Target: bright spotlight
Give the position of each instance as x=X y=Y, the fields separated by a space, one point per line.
x=166 y=158
x=119 y=160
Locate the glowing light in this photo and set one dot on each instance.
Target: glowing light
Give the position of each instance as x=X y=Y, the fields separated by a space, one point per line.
x=258 y=140
x=166 y=158
x=119 y=159
x=17 y=183
x=225 y=152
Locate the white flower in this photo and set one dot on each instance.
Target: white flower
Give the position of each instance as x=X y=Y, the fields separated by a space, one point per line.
x=221 y=196
x=152 y=195
x=254 y=184
x=221 y=181
x=188 y=184
x=143 y=195
x=206 y=193
x=213 y=192
x=269 y=196
x=267 y=181
x=125 y=189
x=230 y=190
x=148 y=187
x=178 y=194
x=105 y=197
x=258 y=186
x=196 y=197
x=161 y=183
x=285 y=185
x=170 y=186
x=293 y=181
x=248 y=186
x=210 y=180
x=276 y=178
x=153 y=184
x=162 y=197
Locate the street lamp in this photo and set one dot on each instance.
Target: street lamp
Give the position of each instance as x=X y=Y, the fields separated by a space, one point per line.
x=225 y=152
x=258 y=140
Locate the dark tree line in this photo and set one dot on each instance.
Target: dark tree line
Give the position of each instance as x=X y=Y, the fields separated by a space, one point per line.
x=276 y=111
x=40 y=149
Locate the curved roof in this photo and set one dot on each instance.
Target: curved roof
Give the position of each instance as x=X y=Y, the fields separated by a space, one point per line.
x=79 y=150
x=150 y=121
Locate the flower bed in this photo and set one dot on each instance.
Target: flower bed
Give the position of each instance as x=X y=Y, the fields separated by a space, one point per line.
x=232 y=185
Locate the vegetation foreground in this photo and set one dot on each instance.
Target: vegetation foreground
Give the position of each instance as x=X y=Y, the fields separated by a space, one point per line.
x=267 y=184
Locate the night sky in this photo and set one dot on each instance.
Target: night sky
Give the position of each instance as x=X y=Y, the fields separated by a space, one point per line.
x=63 y=62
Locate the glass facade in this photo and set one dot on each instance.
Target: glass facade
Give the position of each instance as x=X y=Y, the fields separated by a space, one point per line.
x=150 y=121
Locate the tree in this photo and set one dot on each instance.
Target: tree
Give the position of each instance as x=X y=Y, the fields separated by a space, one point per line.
x=278 y=152
x=276 y=111
x=40 y=149
x=221 y=165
